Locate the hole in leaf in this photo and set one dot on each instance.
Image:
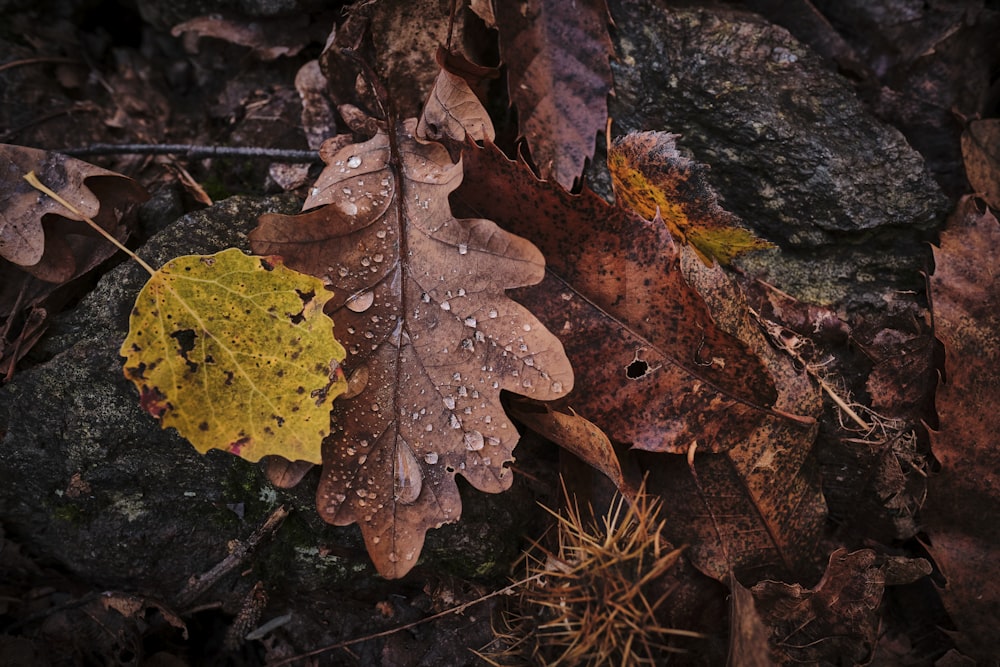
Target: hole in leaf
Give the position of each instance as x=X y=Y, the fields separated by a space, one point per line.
x=636 y=369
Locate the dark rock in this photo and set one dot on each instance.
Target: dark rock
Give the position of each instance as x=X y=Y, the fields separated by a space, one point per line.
x=792 y=150
x=89 y=479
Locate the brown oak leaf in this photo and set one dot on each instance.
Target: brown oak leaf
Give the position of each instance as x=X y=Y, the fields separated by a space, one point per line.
x=419 y=301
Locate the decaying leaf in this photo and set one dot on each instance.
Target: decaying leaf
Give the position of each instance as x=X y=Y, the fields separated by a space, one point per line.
x=837 y=621
x=453 y=111
x=234 y=351
x=576 y=435
x=961 y=514
x=981 y=153
x=652 y=367
x=40 y=248
x=559 y=78
x=651 y=177
x=269 y=37
x=43 y=246
x=747 y=633
x=757 y=509
x=418 y=298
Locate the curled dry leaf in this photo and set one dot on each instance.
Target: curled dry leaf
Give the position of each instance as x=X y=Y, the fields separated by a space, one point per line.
x=559 y=78
x=235 y=352
x=577 y=436
x=653 y=179
x=961 y=513
x=419 y=300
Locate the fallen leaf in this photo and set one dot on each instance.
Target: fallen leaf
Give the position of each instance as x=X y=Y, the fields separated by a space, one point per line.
x=961 y=513
x=453 y=111
x=418 y=298
x=747 y=632
x=23 y=240
x=838 y=620
x=652 y=178
x=234 y=351
x=269 y=37
x=576 y=435
x=653 y=369
x=558 y=77
x=981 y=153
x=43 y=246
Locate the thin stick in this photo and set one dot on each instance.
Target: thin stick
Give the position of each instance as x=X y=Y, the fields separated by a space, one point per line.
x=195 y=152
x=38 y=61
x=38 y=185
x=385 y=633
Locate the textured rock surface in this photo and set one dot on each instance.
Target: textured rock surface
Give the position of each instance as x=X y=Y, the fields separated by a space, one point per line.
x=791 y=148
x=90 y=479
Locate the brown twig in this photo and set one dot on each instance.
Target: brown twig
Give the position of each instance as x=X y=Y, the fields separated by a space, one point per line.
x=195 y=152
x=238 y=553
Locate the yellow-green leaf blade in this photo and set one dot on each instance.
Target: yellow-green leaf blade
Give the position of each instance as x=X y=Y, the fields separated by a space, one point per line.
x=652 y=178
x=234 y=351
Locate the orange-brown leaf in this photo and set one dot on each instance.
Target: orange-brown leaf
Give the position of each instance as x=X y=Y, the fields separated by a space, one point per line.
x=652 y=369
x=419 y=301
x=961 y=513
x=981 y=153
x=652 y=178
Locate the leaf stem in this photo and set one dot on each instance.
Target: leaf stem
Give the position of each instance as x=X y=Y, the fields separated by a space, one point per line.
x=41 y=187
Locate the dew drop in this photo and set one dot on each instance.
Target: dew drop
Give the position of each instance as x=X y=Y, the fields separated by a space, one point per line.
x=461 y=291
x=487 y=460
x=467 y=411
x=470 y=322
x=454 y=422
x=378 y=257
x=429 y=428
x=362 y=459
x=474 y=441
x=376 y=539
x=351 y=330
x=449 y=402
x=431 y=458
x=425 y=297
x=526 y=327
x=415 y=416
x=380 y=233
x=493 y=313
x=526 y=383
x=354 y=162
x=462 y=391
x=314 y=192
x=445 y=305
x=407 y=478
x=557 y=387
x=366 y=261
x=350 y=208
x=463 y=249
x=361 y=302
x=456 y=377
x=480 y=338
x=347 y=191
x=529 y=361
x=342 y=272
x=393 y=557
x=496 y=384
x=375 y=407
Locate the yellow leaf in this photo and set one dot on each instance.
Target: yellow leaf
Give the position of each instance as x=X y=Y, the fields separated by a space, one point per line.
x=234 y=351
x=650 y=176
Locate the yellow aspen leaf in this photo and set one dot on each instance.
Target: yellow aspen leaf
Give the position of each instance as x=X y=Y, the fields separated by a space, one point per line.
x=234 y=351
x=652 y=178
